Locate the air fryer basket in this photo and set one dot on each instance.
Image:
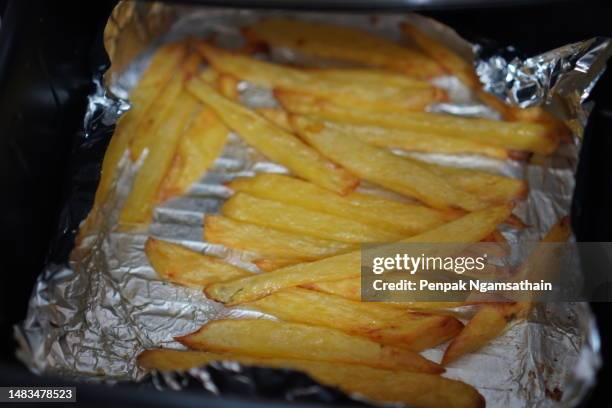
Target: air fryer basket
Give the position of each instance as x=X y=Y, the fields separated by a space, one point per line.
x=60 y=46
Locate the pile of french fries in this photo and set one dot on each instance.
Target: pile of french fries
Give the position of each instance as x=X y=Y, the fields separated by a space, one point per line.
x=333 y=129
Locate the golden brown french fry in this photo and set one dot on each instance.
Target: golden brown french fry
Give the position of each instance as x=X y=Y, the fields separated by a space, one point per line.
x=268 y=265
x=402 y=218
x=467 y=229
x=455 y=65
x=534 y=114
x=560 y=231
x=369 y=76
x=417 y=141
x=209 y=76
x=465 y=72
x=228 y=86
x=163 y=64
x=247 y=289
x=154 y=118
x=274 y=142
x=489 y=187
x=344 y=44
x=488 y=323
x=277 y=116
x=272 y=214
x=413 y=389
x=542 y=263
x=199 y=146
x=268 y=338
x=180 y=265
x=533 y=137
x=268 y=242
x=256 y=71
x=411 y=100
x=350 y=288
x=182 y=360
x=537 y=114
x=397 y=138
x=491 y=320
x=393 y=327
x=448 y=59
x=138 y=207
x=402 y=175
x=369 y=96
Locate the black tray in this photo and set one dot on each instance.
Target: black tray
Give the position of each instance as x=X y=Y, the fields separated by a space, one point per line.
x=49 y=52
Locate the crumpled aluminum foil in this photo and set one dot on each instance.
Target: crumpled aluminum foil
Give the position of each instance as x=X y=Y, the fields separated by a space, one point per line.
x=89 y=318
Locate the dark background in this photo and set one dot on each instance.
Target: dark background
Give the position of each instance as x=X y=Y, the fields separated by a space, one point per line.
x=49 y=51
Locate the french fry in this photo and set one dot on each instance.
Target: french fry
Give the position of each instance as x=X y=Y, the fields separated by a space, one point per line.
x=559 y=232
x=412 y=389
x=268 y=242
x=402 y=175
x=351 y=289
x=466 y=73
x=411 y=100
x=489 y=187
x=247 y=289
x=401 y=218
x=160 y=69
x=198 y=148
x=543 y=262
x=256 y=71
x=488 y=323
x=532 y=137
x=274 y=142
x=492 y=319
x=289 y=218
x=448 y=59
x=277 y=116
x=455 y=65
x=268 y=338
x=397 y=138
x=209 y=76
x=138 y=207
x=344 y=44
x=537 y=114
x=154 y=118
x=180 y=265
x=417 y=141
x=268 y=265
x=461 y=69
x=467 y=229
x=392 y=327
x=369 y=76
x=368 y=96
x=228 y=86
x=182 y=360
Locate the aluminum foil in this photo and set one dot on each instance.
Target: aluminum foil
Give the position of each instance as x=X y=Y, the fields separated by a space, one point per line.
x=90 y=318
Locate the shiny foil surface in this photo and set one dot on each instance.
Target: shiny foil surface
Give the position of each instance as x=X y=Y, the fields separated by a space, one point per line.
x=89 y=319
